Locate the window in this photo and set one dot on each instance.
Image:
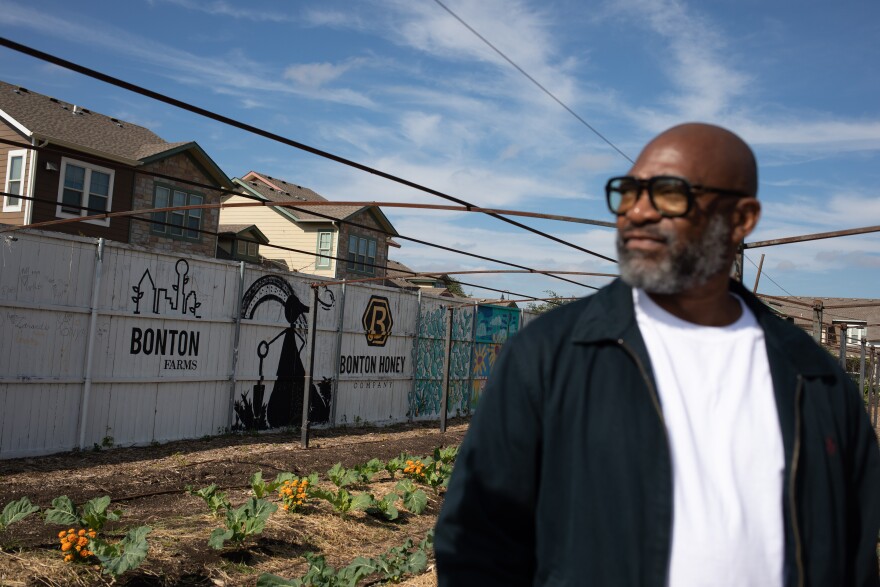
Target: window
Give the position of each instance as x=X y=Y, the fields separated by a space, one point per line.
x=247 y=249
x=85 y=190
x=325 y=249
x=361 y=254
x=177 y=223
x=14 y=181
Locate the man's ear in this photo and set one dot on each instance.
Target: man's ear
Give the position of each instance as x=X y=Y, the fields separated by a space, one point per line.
x=745 y=218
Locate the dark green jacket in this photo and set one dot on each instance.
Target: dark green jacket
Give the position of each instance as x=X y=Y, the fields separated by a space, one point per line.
x=565 y=477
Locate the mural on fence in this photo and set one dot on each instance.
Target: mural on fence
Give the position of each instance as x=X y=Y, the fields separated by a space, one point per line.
x=428 y=355
x=494 y=326
x=178 y=347
x=284 y=404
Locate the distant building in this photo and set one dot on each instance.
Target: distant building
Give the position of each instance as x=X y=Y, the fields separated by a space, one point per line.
x=861 y=316
x=310 y=238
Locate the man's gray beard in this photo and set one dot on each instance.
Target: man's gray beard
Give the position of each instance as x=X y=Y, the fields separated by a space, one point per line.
x=686 y=266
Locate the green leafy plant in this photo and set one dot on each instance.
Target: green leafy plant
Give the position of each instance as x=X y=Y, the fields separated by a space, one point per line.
x=94 y=513
x=16 y=511
x=366 y=471
x=340 y=476
x=446 y=454
x=123 y=556
x=242 y=522
x=320 y=574
x=341 y=500
x=414 y=499
x=384 y=507
x=399 y=561
x=396 y=464
x=393 y=566
x=215 y=500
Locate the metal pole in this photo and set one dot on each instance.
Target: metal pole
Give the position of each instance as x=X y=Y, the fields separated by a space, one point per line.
x=876 y=388
x=90 y=345
x=872 y=396
x=817 y=320
x=415 y=364
x=340 y=325
x=235 y=341
x=470 y=379
x=738 y=264
x=862 y=366
x=758 y=276
x=842 y=345
x=445 y=397
x=304 y=441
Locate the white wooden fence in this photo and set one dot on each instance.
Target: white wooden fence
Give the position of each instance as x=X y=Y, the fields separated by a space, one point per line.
x=102 y=342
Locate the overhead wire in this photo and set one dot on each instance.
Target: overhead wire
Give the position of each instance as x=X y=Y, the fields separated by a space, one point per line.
x=133 y=215
x=269 y=135
x=327 y=217
x=533 y=80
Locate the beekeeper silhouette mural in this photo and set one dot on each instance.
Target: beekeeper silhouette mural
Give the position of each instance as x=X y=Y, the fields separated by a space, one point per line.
x=284 y=405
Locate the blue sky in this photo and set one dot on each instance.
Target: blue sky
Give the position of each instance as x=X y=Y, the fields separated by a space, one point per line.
x=401 y=86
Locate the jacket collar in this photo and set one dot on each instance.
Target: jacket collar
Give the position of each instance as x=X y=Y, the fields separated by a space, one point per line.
x=611 y=316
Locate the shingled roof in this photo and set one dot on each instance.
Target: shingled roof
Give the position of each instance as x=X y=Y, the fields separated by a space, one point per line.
x=281 y=191
x=41 y=117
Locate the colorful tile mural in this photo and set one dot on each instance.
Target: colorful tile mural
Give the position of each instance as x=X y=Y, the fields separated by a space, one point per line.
x=494 y=325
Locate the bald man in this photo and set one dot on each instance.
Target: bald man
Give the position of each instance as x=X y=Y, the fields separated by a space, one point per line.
x=670 y=429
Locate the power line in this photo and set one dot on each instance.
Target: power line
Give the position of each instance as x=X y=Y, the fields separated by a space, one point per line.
x=765 y=274
x=101 y=215
x=533 y=80
x=133 y=216
x=269 y=135
x=105 y=214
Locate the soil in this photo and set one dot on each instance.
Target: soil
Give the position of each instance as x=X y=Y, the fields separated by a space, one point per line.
x=148 y=485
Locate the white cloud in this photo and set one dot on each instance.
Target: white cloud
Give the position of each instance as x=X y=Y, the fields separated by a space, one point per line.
x=316 y=75
x=221 y=8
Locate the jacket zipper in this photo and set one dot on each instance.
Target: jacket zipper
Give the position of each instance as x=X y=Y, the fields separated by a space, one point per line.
x=795 y=455
x=651 y=390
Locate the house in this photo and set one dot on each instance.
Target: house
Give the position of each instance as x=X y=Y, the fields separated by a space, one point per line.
x=71 y=162
x=311 y=239
x=399 y=275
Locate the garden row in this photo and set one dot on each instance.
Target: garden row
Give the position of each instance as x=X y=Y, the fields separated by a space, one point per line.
x=81 y=540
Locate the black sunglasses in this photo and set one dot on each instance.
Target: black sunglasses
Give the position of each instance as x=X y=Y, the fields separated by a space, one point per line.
x=671 y=196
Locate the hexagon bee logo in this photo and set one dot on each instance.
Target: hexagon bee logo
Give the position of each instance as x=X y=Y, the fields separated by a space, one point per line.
x=377 y=321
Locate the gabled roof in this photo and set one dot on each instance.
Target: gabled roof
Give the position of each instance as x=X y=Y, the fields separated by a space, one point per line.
x=41 y=117
x=233 y=230
x=278 y=190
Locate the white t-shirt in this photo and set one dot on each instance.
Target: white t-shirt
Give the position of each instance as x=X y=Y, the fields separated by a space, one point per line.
x=727 y=456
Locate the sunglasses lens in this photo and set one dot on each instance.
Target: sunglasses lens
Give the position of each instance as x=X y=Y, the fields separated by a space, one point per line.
x=670 y=196
x=622 y=194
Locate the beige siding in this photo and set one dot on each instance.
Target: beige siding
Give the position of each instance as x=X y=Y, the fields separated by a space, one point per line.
x=282 y=231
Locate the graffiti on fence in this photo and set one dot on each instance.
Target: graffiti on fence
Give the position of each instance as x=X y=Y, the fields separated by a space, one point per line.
x=283 y=407
x=177 y=347
x=429 y=353
x=494 y=326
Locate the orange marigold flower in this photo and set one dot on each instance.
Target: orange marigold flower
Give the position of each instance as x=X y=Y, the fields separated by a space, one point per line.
x=92 y=533
x=82 y=532
x=62 y=534
x=66 y=546
x=68 y=558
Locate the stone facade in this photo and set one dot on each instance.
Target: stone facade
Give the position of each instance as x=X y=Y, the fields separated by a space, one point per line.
x=345 y=230
x=183 y=166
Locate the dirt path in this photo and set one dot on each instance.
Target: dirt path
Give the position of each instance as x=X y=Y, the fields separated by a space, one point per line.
x=148 y=483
